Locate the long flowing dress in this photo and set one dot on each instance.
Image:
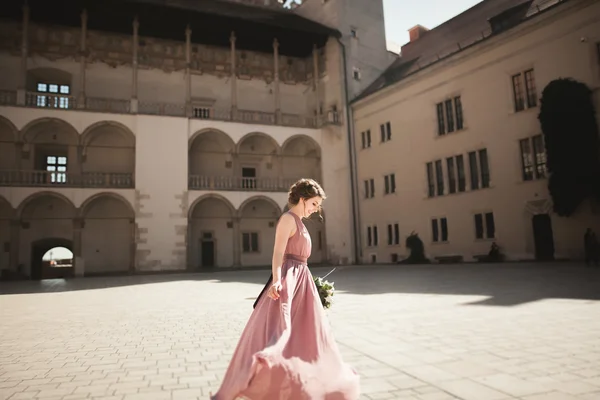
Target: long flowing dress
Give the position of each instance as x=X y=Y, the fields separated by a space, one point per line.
x=287 y=350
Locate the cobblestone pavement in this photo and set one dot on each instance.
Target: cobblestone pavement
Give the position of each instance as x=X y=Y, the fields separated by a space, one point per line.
x=473 y=332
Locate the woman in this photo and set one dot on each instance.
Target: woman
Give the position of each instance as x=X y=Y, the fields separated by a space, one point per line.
x=287 y=351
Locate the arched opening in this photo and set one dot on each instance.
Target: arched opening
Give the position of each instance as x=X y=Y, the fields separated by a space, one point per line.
x=210 y=233
x=316 y=229
x=108 y=155
x=43 y=269
x=210 y=160
x=6 y=215
x=301 y=158
x=52 y=158
x=57 y=262
x=46 y=222
x=107 y=241
x=8 y=146
x=258 y=217
x=258 y=162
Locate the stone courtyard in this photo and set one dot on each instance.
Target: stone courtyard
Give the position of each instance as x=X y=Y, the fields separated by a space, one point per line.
x=472 y=332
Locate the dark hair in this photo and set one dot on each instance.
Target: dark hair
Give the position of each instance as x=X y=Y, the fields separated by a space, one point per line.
x=305 y=189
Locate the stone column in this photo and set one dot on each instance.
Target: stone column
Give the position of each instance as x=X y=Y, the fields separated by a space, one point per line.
x=15 y=230
x=316 y=80
x=82 y=60
x=134 y=69
x=233 y=78
x=22 y=84
x=237 y=242
x=188 y=76
x=276 y=81
x=78 y=224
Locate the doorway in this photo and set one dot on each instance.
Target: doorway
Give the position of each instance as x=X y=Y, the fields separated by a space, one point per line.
x=51 y=259
x=248 y=178
x=543 y=237
x=207 y=251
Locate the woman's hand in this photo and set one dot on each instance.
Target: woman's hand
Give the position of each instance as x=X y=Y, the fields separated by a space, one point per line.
x=274 y=290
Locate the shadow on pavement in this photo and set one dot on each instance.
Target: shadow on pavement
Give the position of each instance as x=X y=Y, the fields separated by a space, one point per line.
x=504 y=284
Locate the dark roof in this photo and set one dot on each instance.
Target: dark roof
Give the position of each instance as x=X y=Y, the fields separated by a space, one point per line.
x=211 y=21
x=453 y=36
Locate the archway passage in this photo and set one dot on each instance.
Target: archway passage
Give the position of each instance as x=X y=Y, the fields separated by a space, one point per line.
x=46 y=222
x=8 y=143
x=258 y=217
x=108 y=235
x=258 y=162
x=211 y=160
x=108 y=154
x=52 y=258
x=301 y=158
x=210 y=234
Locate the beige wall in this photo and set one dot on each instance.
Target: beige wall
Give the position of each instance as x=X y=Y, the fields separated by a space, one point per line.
x=550 y=44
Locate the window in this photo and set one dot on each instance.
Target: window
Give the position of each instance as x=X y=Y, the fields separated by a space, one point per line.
x=393 y=234
x=430 y=182
x=451 y=175
x=372 y=236
x=386 y=132
x=439 y=230
x=369 y=188
x=356 y=74
x=524 y=90
x=390 y=183
x=248 y=177
x=250 y=242
x=450 y=116
x=485 y=227
x=460 y=168
x=439 y=177
x=480 y=170
x=57 y=166
x=353 y=33
x=365 y=138
x=533 y=158
x=57 y=95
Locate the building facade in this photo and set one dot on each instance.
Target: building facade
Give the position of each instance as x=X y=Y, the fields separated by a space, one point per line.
x=151 y=137
x=456 y=121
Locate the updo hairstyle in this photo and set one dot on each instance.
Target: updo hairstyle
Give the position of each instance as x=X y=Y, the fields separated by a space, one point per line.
x=305 y=189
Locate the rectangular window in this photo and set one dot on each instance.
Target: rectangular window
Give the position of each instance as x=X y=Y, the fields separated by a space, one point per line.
x=396 y=234
x=533 y=158
x=57 y=166
x=474 y=170
x=449 y=116
x=459 y=112
x=451 y=175
x=390 y=183
x=460 y=169
x=375 y=236
x=485 y=227
x=393 y=232
x=518 y=93
x=366 y=139
x=439 y=230
x=485 y=168
x=369 y=188
x=530 y=88
x=539 y=153
x=440 y=117
x=388 y=129
x=430 y=180
x=248 y=177
x=526 y=160
x=439 y=175
x=524 y=90
x=250 y=242
x=372 y=236
x=390 y=231
x=57 y=97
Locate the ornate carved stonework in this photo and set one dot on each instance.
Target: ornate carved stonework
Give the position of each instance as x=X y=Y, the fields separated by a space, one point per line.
x=55 y=42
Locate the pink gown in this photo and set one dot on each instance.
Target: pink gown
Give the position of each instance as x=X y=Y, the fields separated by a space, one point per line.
x=287 y=350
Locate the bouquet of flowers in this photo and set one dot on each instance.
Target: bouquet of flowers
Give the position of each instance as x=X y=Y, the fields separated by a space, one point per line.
x=325 y=289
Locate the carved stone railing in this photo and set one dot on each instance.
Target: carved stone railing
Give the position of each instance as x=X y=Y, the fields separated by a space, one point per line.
x=256 y=117
x=117 y=106
x=50 y=100
x=66 y=179
x=238 y=183
x=166 y=109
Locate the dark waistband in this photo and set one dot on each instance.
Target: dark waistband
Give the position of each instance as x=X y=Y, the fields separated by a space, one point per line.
x=294 y=257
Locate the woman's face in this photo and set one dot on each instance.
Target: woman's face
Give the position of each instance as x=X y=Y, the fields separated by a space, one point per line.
x=312 y=205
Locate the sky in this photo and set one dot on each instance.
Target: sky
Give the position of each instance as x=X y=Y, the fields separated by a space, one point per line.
x=401 y=15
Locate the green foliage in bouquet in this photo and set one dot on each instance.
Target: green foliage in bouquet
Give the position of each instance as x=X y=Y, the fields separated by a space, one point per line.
x=326 y=290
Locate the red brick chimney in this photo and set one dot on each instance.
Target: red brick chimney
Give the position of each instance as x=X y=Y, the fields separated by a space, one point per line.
x=416 y=32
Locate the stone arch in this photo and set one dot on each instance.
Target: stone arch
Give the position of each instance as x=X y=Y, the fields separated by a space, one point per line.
x=210 y=232
x=40 y=130
x=39 y=248
x=9 y=138
x=301 y=158
x=8 y=130
x=257 y=161
x=275 y=149
x=108 y=147
x=210 y=159
x=40 y=195
x=6 y=209
x=258 y=217
x=108 y=234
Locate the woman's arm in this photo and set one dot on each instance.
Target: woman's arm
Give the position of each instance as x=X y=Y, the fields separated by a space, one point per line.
x=284 y=231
